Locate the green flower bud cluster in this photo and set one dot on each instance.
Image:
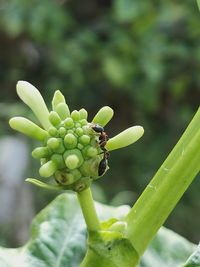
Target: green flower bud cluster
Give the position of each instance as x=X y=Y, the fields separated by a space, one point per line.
x=71 y=149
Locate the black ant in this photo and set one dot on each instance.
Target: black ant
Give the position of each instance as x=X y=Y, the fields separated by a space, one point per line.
x=103 y=138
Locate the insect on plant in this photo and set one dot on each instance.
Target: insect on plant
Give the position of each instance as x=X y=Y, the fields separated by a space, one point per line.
x=103 y=138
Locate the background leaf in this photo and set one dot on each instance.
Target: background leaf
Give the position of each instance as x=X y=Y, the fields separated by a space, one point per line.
x=58 y=239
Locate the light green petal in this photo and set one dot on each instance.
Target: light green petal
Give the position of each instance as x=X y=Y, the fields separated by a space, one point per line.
x=28 y=128
x=125 y=138
x=43 y=185
x=57 y=99
x=103 y=116
x=32 y=97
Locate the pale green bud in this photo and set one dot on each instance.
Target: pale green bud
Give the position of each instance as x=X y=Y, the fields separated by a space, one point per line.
x=91 y=152
x=73 y=158
x=103 y=116
x=48 y=169
x=58 y=160
x=79 y=131
x=90 y=167
x=53 y=131
x=61 y=147
x=125 y=138
x=66 y=178
x=72 y=162
x=40 y=152
x=63 y=110
x=54 y=118
x=28 y=128
x=70 y=141
x=83 y=122
x=53 y=143
x=32 y=97
x=62 y=131
x=69 y=123
x=83 y=114
x=76 y=173
x=119 y=227
x=84 y=139
x=75 y=115
x=57 y=99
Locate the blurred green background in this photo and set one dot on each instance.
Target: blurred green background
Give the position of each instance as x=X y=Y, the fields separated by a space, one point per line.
x=142 y=58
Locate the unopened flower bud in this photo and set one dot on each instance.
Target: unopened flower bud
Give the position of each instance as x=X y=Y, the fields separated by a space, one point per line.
x=48 y=169
x=75 y=115
x=28 y=128
x=54 y=118
x=62 y=110
x=103 y=116
x=40 y=152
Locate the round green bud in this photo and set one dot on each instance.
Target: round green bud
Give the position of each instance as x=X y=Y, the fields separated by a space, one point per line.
x=62 y=110
x=75 y=115
x=73 y=158
x=61 y=147
x=68 y=122
x=84 y=139
x=54 y=118
x=79 y=131
x=83 y=122
x=58 y=160
x=72 y=162
x=76 y=173
x=53 y=131
x=65 y=178
x=48 y=169
x=90 y=167
x=83 y=113
x=40 y=152
x=91 y=152
x=77 y=125
x=53 y=143
x=70 y=141
x=62 y=131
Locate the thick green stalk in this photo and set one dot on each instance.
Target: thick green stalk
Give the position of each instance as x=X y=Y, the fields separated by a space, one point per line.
x=88 y=209
x=166 y=188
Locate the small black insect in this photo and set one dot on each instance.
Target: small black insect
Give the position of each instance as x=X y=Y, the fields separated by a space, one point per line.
x=103 y=138
x=103 y=163
x=97 y=128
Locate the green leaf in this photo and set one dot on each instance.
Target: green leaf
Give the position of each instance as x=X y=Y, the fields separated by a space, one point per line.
x=58 y=239
x=167 y=249
x=194 y=259
x=58 y=236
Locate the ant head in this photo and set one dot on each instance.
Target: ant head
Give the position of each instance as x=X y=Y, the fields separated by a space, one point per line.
x=97 y=128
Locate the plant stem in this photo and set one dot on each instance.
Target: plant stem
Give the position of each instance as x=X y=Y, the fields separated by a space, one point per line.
x=166 y=188
x=88 y=209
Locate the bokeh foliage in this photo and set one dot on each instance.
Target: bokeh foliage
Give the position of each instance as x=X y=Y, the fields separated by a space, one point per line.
x=140 y=57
